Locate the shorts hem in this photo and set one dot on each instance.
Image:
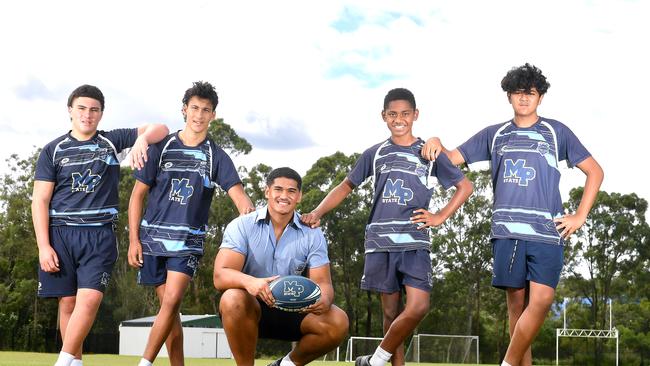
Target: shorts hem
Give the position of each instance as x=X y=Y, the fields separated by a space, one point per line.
x=154 y=284
x=545 y=283
x=55 y=295
x=382 y=290
x=423 y=288
x=505 y=286
x=102 y=290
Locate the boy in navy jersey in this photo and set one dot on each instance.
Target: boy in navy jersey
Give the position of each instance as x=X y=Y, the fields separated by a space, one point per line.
x=166 y=244
x=528 y=224
x=397 y=243
x=74 y=207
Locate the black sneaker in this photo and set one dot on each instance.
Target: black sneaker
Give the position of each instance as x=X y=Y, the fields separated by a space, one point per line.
x=362 y=361
x=276 y=362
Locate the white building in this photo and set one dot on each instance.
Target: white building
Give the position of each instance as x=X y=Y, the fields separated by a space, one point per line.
x=203 y=337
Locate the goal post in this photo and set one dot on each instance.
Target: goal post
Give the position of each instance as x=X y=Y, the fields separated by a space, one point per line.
x=332 y=355
x=445 y=348
x=611 y=333
x=359 y=346
x=584 y=333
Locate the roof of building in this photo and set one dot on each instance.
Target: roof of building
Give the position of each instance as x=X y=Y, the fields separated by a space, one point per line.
x=191 y=321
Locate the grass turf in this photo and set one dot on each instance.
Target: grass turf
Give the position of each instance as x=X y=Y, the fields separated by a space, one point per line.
x=48 y=359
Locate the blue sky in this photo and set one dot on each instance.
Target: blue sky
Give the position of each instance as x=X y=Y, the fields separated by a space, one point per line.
x=302 y=80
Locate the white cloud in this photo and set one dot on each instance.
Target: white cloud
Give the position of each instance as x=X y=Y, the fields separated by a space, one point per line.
x=288 y=64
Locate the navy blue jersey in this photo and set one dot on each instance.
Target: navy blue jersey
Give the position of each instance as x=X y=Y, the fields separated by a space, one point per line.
x=182 y=180
x=402 y=183
x=525 y=175
x=86 y=175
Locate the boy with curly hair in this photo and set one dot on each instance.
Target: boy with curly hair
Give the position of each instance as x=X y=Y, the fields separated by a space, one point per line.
x=528 y=224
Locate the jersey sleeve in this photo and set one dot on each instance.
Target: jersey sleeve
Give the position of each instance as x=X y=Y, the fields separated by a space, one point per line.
x=122 y=138
x=318 y=250
x=148 y=173
x=234 y=237
x=224 y=172
x=478 y=147
x=45 y=169
x=363 y=167
x=570 y=148
x=447 y=173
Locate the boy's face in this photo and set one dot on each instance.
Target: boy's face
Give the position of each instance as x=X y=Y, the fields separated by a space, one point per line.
x=399 y=117
x=198 y=114
x=283 y=195
x=525 y=103
x=85 y=115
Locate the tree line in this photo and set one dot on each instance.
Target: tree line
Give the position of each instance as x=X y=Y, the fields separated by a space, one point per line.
x=606 y=262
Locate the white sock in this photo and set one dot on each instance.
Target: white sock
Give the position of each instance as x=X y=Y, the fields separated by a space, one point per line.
x=77 y=362
x=145 y=362
x=65 y=359
x=380 y=357
x=504 y=363
x=286 y=361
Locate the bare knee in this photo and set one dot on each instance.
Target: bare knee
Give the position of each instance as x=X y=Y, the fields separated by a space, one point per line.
x=516 y=299
x=339 y=325
x=417 y=310
x=171 y=301
x=541 y=297
x=88 y=302
x=235 y=303
x=391 y=306
x=66 y=304
x=542 y=302
x=390 y=313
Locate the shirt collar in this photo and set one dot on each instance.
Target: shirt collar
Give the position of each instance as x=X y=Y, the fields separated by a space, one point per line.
x=262 y=215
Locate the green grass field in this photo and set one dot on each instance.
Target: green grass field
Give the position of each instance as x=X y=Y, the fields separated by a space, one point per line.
x=48 y=359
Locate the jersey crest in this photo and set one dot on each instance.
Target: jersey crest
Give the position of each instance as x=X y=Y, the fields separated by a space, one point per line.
x=181 y=190
x=85 y=182
x=394 y=191
x=518 y=172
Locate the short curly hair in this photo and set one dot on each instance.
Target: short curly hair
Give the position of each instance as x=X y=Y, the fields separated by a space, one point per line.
x=204 y=90
x=399 y=94
x=525 y=78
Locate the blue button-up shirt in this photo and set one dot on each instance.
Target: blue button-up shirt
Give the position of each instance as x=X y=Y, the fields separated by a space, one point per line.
x=299 y=247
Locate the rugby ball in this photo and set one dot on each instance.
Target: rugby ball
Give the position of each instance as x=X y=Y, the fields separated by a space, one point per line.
x=292 y=293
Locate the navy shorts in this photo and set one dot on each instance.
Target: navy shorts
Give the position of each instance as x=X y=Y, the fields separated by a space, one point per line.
x=389 y=272
x=86 y=258
x=279 y=324
x=154 y=268
x=518 y=261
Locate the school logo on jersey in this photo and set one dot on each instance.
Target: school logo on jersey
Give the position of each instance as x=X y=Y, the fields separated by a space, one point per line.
x=395 y=192
x=292 y=288
x=181 y=191
x=85 y=182
x=518 y=172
